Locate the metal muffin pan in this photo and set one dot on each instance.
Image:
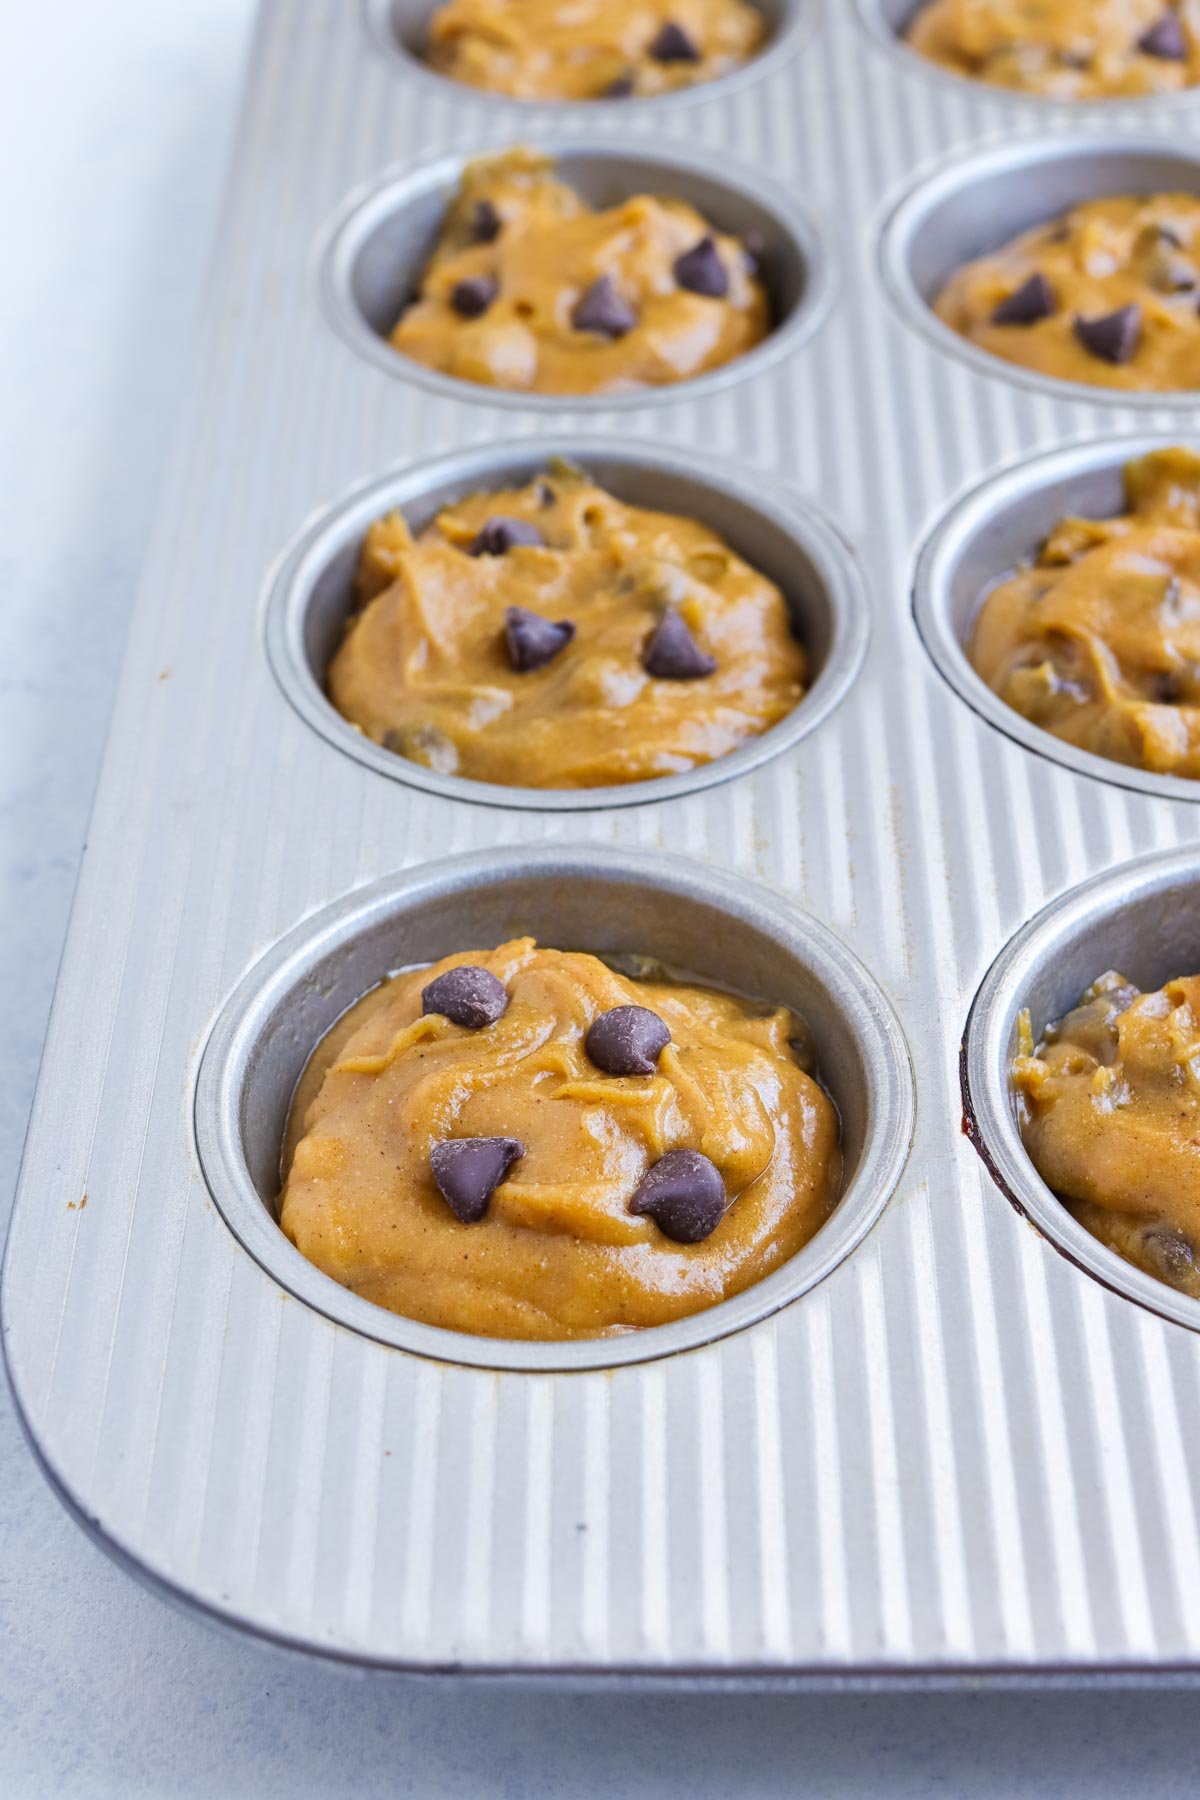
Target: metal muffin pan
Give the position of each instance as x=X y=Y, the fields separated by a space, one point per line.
x=957 y=1456
x=400 y=29
x=1142 y=919
x=311 y=594
x=985 y=535
x=577 y=898
x=379 y=241
x=886 y=21
x=967 y=206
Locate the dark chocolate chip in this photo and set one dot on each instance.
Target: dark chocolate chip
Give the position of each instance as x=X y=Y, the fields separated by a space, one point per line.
x=466 y=995
x=1033 y=300
x=1113 y=336
x=472 y=297
x=627 y=1040
x=486 y=223
x=701 y=271
x=601 y=308
x=469 y=1170
x=672 y=653
x=1171 y=1255
x=674 y=45
x=533 y=641
x=620 y=89
x=1165 y=40
x=500 y=535
x=684 y=1194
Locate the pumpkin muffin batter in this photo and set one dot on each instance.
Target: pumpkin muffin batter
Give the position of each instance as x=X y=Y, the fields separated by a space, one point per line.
x=1098 y=640
x=529 y=288
x=592 y=49
x=1106 y=295
x=1110 y=1114
x=553 y=637
x=525 y=1143
x=1066 y=49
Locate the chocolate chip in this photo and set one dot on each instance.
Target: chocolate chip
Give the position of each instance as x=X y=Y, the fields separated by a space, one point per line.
x=701 y=271
x=1171 y=1255
x=601 y=308
x=674 y=45
x=533 y=641
x=684 y=1194
x=672 y=653
x=620 y=89
x=469 y=1170
x=472 y=297
x=1165 y=40
x=627 y=1040
x=499 y=535
x=1113 y=336
x=466 y=995
x=486 y=223
x=1033 y=300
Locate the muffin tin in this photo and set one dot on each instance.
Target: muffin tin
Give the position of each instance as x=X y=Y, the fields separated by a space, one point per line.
x=929 y=1449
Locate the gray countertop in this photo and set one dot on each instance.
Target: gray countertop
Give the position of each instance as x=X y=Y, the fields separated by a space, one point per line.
x=117 y=123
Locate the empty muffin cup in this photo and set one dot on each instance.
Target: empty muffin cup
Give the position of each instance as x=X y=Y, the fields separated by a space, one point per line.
x=311 y=596
x=1142 y=920
x=724 y=931
x=971 y=206
x=401 y=30
x=374 y=252
x=989 y=532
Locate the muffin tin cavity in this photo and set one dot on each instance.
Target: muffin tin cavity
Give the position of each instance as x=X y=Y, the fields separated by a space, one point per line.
x=311 y=595
x=376 y=247
x=718 y=927
x=968 y=207
x=983 y=537
x=1144 y=920
x=400 y=29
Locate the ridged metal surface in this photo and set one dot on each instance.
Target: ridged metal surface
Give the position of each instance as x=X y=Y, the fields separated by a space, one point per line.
x=959 y=1451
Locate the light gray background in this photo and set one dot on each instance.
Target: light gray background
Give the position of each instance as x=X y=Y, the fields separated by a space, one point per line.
x=115 y=121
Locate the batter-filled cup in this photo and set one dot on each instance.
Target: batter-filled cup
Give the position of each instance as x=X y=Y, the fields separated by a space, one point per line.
x=515 y=627
x=612 y=1105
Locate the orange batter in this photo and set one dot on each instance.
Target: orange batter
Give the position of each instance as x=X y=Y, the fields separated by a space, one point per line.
x=555 y=1251
x=1098 y=640
x=518 y=638
x=531 y=288
x=1111 y=1118
x=1065 y=49
x=592 y=49
x=1106 y=295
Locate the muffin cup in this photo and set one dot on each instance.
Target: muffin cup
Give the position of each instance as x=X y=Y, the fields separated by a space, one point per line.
x=400 y=29
x=886 y=20
x=716 y=926
x=310 y=595
x=989 y=531
x=969 y=206
x=1143 y=919
x=373 y=252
